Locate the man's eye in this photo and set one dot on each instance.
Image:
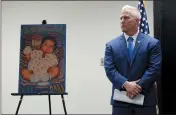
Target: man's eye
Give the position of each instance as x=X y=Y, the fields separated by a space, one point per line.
x=125 y=18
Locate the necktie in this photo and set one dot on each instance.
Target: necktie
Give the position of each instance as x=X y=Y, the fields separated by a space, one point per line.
x=130 y=46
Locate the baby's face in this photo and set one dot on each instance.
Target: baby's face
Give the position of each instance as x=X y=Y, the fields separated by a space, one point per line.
x=47 y=46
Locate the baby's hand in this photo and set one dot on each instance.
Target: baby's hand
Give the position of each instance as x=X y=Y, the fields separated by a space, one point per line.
x=27 y=50
x=28 y=56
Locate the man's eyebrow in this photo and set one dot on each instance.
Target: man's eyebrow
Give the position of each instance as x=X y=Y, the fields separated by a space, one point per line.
x=124 y=16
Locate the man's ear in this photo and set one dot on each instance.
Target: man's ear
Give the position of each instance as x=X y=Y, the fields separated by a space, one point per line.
x=137 y=20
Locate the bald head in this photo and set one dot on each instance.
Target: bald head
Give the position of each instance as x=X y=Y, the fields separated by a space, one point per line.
x=133 y=11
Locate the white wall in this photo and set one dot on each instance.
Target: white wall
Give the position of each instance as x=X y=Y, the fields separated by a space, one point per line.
x=90 y=24
x=0 y=57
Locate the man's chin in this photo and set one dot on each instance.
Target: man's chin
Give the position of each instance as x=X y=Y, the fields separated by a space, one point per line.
x=123 y=30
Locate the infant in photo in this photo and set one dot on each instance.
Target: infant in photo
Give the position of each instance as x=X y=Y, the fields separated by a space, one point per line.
x=39 y=61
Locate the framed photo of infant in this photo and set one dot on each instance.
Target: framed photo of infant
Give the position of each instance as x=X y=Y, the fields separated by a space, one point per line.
x=42 y=66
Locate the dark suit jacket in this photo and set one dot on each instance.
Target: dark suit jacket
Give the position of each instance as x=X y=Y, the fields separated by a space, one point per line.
x=145 y=65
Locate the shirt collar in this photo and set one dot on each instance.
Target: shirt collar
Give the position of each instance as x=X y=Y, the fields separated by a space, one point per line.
x=134 y=36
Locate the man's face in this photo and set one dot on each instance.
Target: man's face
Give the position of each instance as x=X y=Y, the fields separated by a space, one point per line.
x=128 y=22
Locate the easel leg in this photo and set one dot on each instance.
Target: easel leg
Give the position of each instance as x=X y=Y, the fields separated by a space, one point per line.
x=21 y=98
x=49 y=104
x=64 y=104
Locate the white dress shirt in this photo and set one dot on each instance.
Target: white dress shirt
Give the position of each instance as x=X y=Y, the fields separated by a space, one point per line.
x=134 y=38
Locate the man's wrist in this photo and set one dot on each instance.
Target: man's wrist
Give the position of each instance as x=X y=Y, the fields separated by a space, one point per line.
x=123 y=86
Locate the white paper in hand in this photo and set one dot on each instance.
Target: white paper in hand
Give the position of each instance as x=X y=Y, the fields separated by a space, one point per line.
x=121 y=96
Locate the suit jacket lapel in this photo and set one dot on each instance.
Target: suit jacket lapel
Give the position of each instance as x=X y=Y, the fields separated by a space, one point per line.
x=138 y=43
x=123 y=45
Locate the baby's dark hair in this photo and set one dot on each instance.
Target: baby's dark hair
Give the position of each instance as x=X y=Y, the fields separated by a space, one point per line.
x=49 y=38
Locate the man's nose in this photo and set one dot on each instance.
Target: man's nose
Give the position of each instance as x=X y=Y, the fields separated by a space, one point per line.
x=122 y=20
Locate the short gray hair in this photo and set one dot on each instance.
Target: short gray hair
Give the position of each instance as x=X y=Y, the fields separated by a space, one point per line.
x=132 y=11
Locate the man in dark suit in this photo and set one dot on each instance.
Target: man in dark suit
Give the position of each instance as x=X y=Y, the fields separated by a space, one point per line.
x=132 y=63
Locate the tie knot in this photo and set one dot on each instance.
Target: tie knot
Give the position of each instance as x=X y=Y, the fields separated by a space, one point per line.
x=130 y=39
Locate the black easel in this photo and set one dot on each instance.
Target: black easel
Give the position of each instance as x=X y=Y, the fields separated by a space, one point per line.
x=32 y=94
x=49 y=98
